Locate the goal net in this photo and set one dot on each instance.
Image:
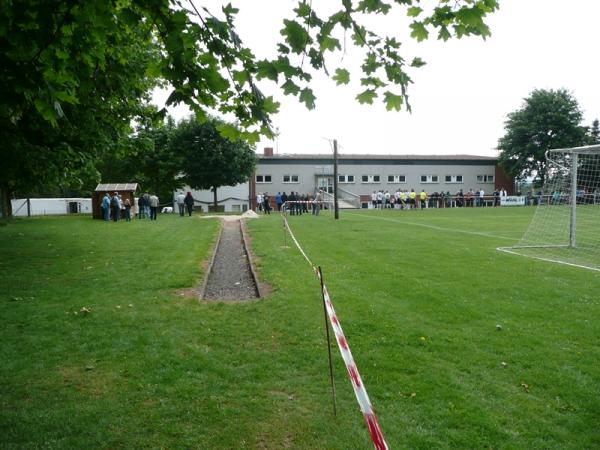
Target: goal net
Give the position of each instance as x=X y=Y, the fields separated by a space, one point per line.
x=565 y=227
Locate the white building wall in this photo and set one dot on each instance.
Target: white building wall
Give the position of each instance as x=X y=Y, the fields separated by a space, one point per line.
x=50 y=206
x=233 y=198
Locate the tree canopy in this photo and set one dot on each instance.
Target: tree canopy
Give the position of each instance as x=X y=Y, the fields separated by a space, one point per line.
x=75 y=74
x=547 y=120
x=209 y=159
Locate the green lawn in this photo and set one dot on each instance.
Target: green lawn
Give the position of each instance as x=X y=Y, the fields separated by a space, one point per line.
x=419 y=295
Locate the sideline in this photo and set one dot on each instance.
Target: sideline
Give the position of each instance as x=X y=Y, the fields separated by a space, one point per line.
x=435 y=227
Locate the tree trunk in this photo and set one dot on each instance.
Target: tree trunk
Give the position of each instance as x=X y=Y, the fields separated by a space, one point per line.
x=5 y=204
x=214 y=189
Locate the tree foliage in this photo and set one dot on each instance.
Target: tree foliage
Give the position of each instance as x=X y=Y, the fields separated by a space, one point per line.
x=594 y=133
x=211 y=160
x=148 y=158
x=548 y=119
x=75 y=74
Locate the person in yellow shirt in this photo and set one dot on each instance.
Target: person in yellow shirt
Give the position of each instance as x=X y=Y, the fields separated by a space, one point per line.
x=402 y=199
x=423 y=198
x=412 y=199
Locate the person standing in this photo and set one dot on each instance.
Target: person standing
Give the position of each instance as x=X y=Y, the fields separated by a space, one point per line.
x=278 y=201
x=189 y=203
x=141 y=207
x=180 y=199
x=127 y=205
x=423 y=198
x=146 y=197
x=266 y=203
x=317 y=204
x=153 y=206
x=115 y=207
x=106 y=207
x=412 y=196
x=259 y=202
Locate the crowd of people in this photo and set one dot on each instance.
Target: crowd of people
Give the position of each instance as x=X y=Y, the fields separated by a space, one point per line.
x=116 y=208
x=297 y=203
x=413 y=200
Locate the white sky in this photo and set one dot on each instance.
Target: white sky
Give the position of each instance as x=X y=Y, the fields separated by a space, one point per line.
x=459 y=100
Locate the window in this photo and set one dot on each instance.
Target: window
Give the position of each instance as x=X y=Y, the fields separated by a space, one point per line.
x=346 y=178
x=485 y=178
x=429 y=178
x=370 y=179
x=454 y=179
x=396 y=178
x=263 y=178
x=290 y=178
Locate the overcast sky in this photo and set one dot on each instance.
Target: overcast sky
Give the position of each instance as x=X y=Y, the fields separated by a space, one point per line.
x=459 y=100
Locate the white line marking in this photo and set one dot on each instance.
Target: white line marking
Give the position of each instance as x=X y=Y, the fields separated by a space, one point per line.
x=506 y=250
x=435 y=227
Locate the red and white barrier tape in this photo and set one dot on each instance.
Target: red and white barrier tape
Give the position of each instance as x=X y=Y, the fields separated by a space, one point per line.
x=359 y=388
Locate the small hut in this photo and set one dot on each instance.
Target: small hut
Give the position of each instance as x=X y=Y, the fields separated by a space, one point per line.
x=125 y=190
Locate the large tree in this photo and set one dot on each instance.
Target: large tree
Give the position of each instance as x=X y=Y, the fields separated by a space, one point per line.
x=148 y=158
x=548 y=119
x=209 y=159
x=74 y=74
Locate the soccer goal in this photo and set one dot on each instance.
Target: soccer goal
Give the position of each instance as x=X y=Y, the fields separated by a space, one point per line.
x=565 y=227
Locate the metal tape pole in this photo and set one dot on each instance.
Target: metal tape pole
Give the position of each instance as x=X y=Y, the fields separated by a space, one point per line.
x=328 y=343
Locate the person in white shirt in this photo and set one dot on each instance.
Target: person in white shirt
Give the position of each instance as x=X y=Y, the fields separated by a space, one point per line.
x=481 y=195
x=181 y=203
x=380 y=199
x=259 y=202
x=374 y=199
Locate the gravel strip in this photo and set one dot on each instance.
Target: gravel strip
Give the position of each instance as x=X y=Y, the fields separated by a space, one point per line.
x=230 y=277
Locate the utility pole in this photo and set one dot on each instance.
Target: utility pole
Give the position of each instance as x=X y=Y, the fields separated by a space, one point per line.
x=335 y=180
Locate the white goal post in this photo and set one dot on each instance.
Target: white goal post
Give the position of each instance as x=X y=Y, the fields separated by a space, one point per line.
x=565 y=227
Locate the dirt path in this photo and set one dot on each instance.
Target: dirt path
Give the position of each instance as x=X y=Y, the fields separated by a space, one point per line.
x=230 y=277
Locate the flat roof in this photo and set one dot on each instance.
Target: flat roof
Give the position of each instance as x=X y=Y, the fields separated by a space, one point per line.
x=379 y=157
x=362 y=159
x=116 y=187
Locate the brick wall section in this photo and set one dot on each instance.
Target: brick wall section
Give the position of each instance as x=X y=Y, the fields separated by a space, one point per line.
x=504 y=181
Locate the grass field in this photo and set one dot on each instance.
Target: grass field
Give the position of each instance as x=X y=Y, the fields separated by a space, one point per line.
x=419 y=295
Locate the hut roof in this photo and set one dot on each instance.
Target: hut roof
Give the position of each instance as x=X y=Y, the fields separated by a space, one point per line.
x=117 y=187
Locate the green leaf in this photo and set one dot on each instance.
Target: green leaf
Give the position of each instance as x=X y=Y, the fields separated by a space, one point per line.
x=295 y=35
x=307 y=97
x=303 y=9
x=392 y=101
x=329 y=43
x=266 y=69
x=419 y=32
x=417 y=62
x=444 y=34
x=342 y=76
x=240 y=76
x=228 y=131
x=270 y=106
x=471 y=17
x=414 y=11
x=366 y=97
x=289 y=87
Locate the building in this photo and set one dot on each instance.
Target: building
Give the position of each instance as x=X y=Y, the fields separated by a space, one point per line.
x=25 y=207
x=360 y=175
x=125 y=190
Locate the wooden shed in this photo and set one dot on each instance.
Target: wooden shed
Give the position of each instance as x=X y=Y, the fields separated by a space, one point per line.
x=125 y=190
